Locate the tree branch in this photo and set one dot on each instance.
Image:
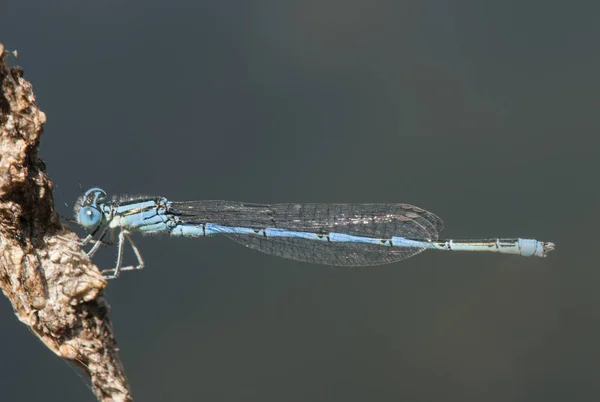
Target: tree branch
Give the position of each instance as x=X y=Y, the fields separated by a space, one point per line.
x=52 y=284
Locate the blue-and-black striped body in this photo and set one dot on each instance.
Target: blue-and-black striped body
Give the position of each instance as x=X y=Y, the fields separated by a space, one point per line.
x=334 y=234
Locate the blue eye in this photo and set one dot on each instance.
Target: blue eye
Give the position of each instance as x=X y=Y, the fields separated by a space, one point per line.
x=89 y=217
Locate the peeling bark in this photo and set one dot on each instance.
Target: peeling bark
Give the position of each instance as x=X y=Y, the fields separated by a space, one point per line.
x=53 y=286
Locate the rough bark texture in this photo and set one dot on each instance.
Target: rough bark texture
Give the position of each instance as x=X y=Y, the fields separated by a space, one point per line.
x=53 y=286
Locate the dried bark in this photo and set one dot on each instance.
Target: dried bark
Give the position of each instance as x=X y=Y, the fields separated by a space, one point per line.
x=53 y=286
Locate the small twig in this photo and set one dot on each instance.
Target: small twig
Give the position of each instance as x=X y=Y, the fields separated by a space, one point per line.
x=53 y=286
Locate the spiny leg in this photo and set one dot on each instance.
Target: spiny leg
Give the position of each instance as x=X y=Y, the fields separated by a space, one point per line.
x=137 y=253
x=99 y=242
x=88 y=239
x=117 y=268
x=124 y=235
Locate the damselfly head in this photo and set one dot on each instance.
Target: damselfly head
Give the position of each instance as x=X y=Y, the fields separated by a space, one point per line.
x=87 y=208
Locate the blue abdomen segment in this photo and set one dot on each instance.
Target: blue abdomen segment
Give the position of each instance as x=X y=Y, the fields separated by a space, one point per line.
x=323 y=248
x=214 y=229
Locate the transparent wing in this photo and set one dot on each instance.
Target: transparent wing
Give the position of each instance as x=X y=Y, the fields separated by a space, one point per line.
x=343 y=254
x=381 y=221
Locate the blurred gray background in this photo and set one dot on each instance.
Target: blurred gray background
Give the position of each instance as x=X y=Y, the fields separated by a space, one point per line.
x=485 y=113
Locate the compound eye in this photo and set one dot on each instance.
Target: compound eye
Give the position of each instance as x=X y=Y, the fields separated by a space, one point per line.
x=89 y=217
x=93 y=196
